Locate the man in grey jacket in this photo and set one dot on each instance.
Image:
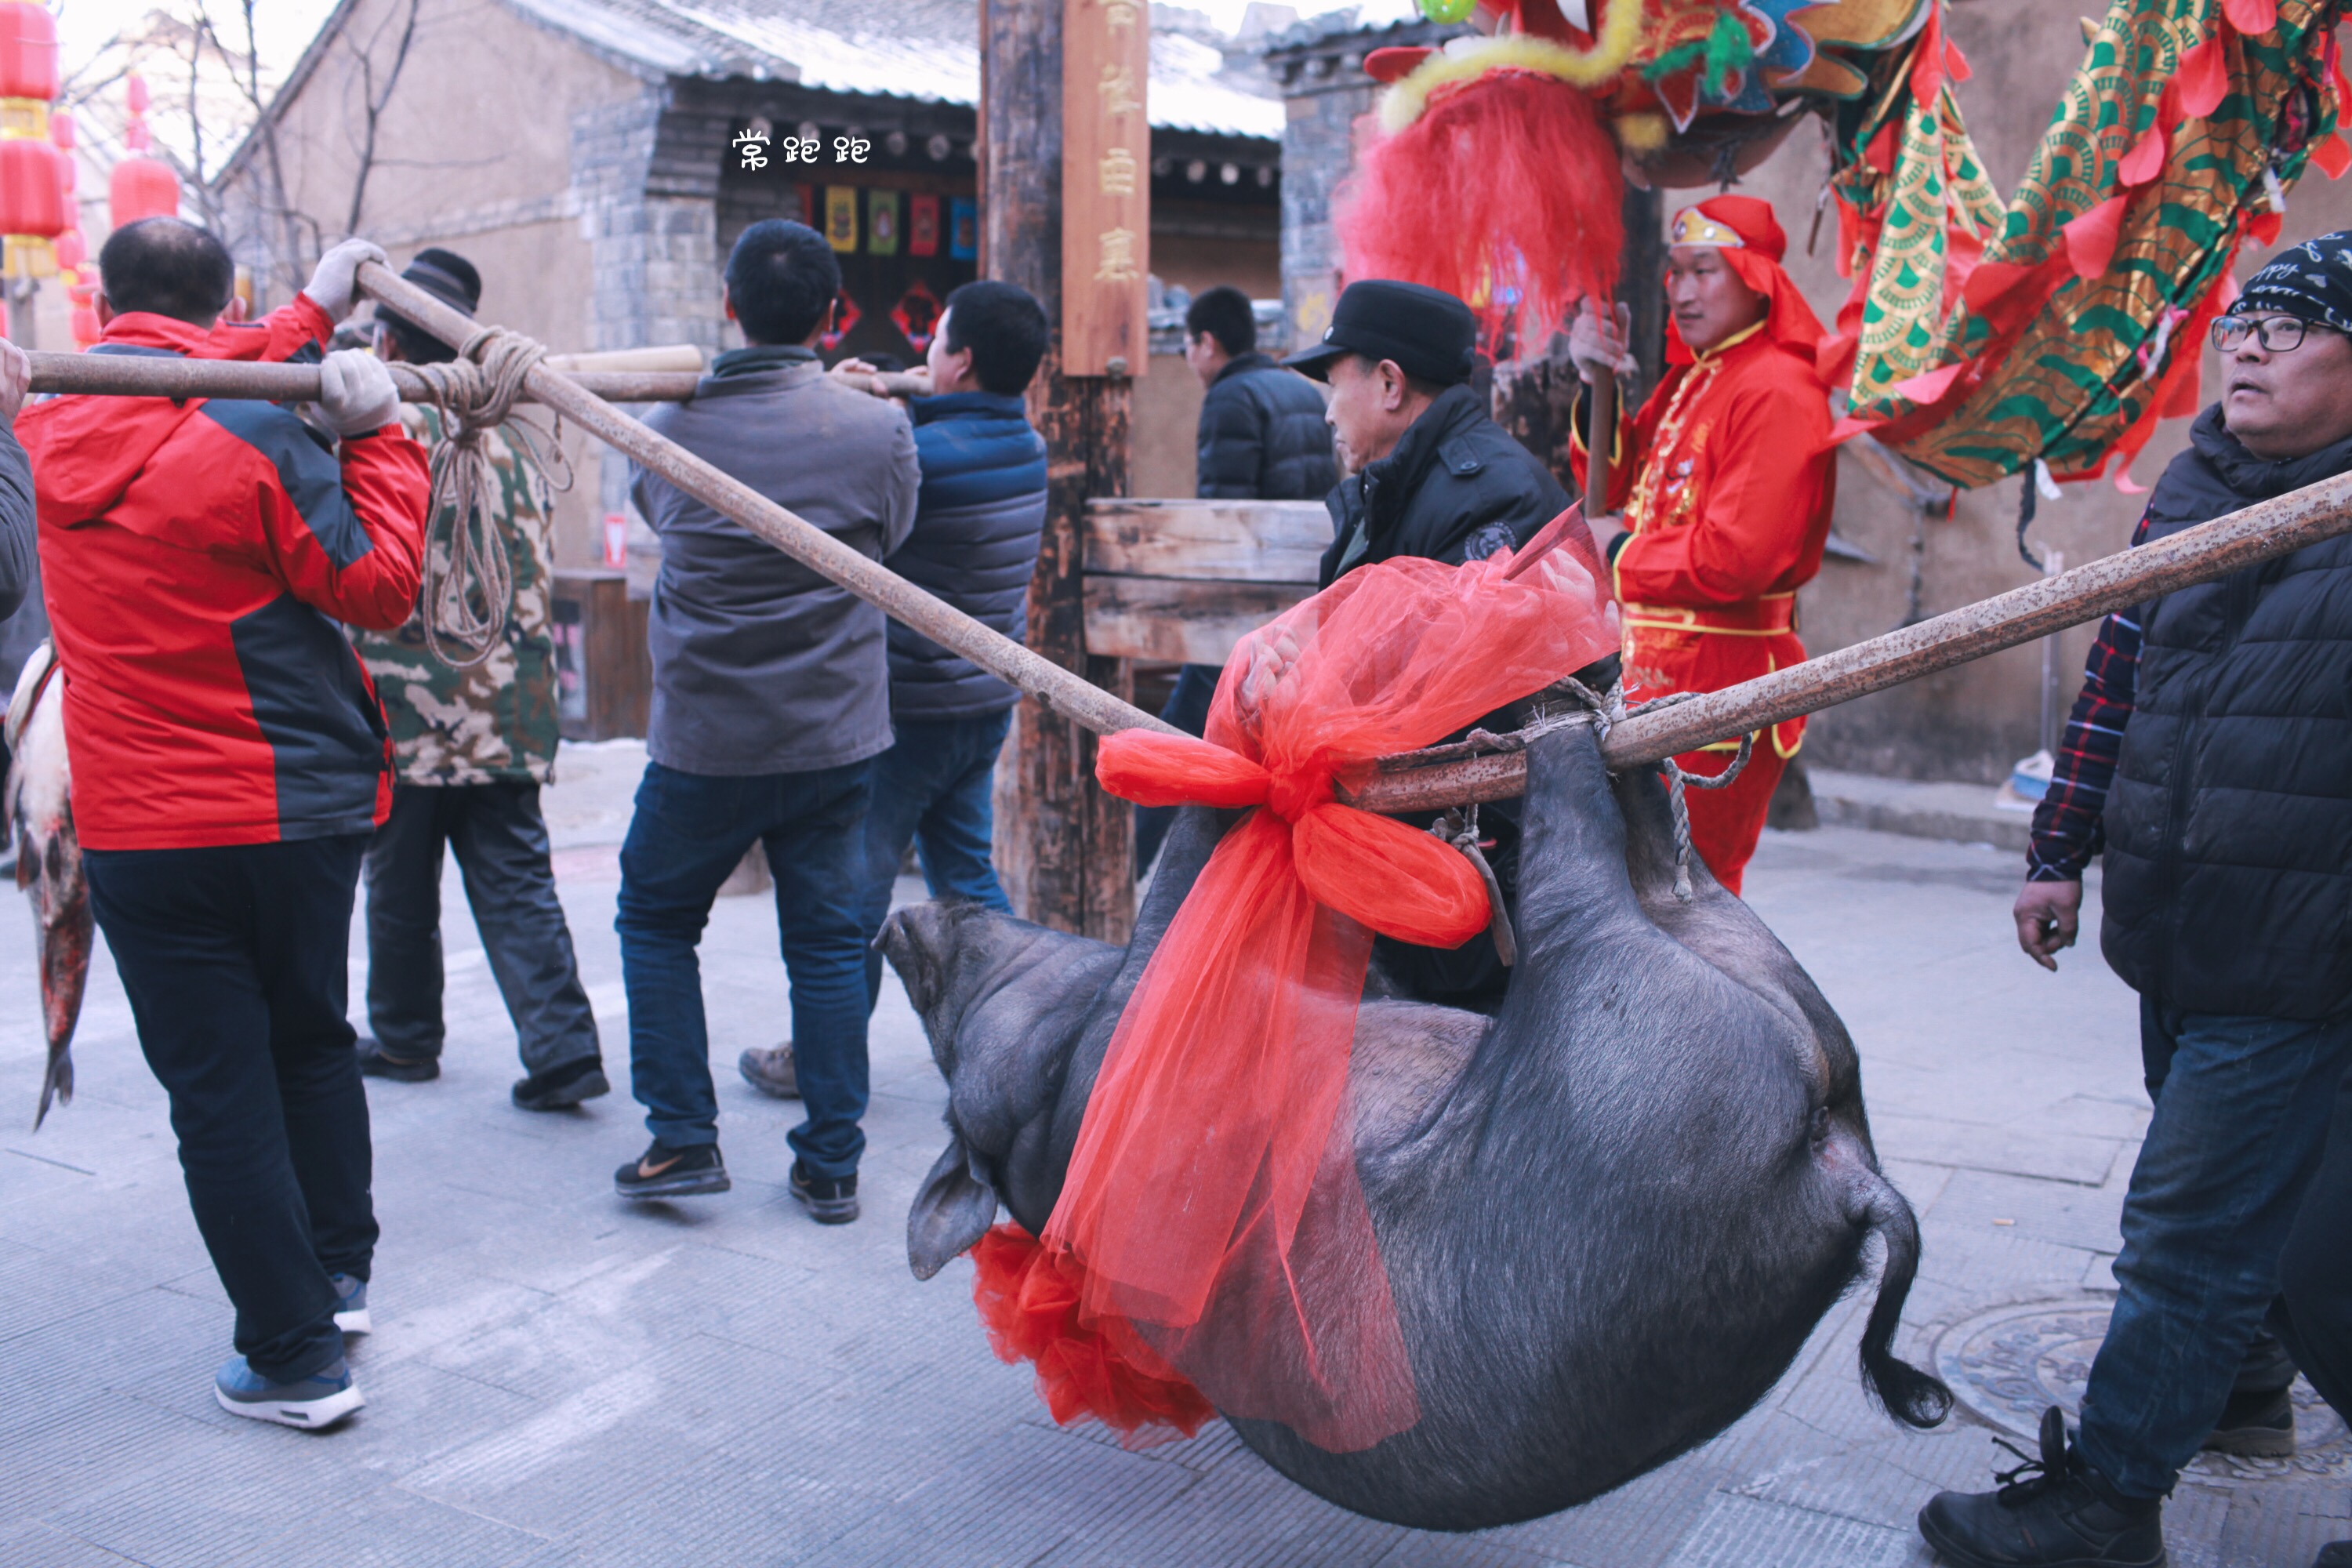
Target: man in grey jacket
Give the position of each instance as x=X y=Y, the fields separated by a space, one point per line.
x=770 y=699
x=978 y=518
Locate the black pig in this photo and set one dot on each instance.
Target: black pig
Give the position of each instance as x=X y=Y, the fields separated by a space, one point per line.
x=1611 y=1215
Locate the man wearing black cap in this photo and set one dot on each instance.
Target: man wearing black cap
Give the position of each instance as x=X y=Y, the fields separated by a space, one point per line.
x=472 y=747
x=1429 y=472
x=2209 y=755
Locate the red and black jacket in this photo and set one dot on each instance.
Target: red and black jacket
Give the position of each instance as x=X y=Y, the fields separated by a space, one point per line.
x=196 y=558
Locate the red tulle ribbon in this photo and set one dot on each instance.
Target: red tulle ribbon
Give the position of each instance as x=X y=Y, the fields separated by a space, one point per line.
x=1212 y=1228
x=1028 y=1300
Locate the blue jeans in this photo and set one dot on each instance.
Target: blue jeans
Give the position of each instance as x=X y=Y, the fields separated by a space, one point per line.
x=690 y=831
x=2241 y=1118
x=932 y=790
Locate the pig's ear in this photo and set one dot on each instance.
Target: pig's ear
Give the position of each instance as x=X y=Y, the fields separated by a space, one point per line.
x=954 y=1209
x=918 y=966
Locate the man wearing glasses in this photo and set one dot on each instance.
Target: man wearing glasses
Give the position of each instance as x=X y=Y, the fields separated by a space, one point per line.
x=2210 y=756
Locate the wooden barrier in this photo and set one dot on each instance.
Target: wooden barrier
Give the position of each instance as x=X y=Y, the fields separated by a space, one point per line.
x=1181 y=582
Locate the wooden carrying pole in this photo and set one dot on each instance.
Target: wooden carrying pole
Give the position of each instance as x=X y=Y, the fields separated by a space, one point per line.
x=2210 y=550
x=156 y=375
x=1053 y=687
x=1600 y=441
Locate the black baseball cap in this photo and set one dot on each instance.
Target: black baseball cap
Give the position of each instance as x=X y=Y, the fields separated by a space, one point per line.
x=1430 y=334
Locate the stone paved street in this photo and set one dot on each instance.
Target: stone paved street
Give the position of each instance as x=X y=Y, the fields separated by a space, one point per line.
x=558 y=1377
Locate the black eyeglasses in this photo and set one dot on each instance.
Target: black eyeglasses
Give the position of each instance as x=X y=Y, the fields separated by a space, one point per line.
x=2277 y=334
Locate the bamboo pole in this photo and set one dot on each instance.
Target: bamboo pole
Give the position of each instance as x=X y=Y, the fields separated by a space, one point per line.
x=159 y=375
x=1055 y=689
x=2260 y=532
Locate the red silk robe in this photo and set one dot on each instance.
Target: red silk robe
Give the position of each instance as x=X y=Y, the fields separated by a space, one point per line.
x=1725 y=483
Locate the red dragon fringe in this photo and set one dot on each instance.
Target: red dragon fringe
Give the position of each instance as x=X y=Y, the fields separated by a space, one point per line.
x=1505 y=192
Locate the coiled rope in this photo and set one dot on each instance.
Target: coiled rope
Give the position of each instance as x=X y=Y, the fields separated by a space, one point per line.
x=468 y=590
x=1608 y=709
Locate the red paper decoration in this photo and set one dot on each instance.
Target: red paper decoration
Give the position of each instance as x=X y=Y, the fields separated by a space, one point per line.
x=923 y=225
x=917 y=313
x=28 y=52
x=32 y=190
x=141 y=186
x=845 y=316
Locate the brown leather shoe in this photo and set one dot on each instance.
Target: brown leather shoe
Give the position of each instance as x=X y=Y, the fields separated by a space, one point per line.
x=769 y=1069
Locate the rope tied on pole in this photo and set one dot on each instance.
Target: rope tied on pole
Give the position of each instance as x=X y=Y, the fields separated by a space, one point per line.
x=1606 y=709
x=468 y=589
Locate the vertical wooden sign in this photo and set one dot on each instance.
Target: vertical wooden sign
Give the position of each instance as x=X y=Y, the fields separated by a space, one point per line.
x=1106 y=186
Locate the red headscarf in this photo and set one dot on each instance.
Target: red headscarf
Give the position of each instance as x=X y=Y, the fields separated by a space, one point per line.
x=1752 y=245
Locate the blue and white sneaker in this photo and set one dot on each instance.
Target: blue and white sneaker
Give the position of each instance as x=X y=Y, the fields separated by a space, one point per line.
x=315 y=1402
x=351 y=1304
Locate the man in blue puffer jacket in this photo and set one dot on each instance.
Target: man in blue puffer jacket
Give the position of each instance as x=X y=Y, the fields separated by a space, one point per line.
x=977 y=518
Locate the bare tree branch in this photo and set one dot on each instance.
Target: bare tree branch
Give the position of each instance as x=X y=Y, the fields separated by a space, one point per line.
x=372 y=103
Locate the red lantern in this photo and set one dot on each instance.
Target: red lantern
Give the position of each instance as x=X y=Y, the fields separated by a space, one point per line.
x=61 y=128
x=142 y=187
x=72 y=250
x=32 y=190
x=28 y=52
x=86 y=330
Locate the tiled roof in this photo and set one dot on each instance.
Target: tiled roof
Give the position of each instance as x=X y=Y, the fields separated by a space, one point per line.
x=923 y=49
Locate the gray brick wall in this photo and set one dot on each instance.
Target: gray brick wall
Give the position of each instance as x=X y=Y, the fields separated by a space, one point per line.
x=1320 y=68
x=655 y=255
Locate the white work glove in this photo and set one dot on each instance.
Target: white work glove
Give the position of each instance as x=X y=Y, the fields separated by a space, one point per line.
x=356 y=393
x=16 y=379
x=1596 y=341
x=334 y=287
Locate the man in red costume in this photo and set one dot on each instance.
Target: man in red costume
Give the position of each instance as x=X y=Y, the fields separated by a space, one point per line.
x=1722 y=487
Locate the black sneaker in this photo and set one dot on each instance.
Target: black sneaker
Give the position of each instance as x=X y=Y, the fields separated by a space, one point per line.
x=662 y=1172
x=2055 y=1511
x=566 y=1083
x=830 y=1200
x=373 y=1063
x=2260 y=1424
x=2334 y=1554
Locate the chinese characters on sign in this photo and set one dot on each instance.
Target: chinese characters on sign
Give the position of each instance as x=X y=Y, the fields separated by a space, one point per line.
x=752 y=146
x=1106 y=200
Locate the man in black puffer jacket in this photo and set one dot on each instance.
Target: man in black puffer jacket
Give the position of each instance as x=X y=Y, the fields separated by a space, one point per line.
x=2211 y=751
x=1262 y=437
x=979 y=515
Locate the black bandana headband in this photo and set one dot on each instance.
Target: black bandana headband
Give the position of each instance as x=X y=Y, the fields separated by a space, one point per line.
x=2312 y=282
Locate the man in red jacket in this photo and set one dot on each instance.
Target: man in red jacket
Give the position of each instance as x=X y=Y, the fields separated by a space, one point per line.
x=1726 y=492
x=230 y=760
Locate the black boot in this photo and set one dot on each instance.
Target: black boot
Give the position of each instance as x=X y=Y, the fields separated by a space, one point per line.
x=2334 y=1554
x=2052 y=1512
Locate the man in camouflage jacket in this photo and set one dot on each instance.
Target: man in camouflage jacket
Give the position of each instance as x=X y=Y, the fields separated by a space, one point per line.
x=472 y=748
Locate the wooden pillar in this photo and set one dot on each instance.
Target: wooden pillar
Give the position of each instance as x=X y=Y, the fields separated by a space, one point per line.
x=1063 y=846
